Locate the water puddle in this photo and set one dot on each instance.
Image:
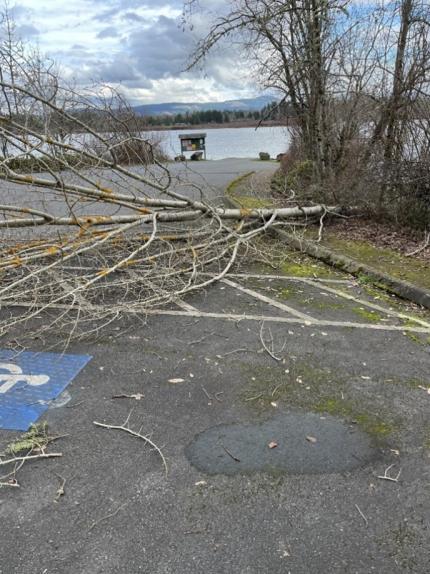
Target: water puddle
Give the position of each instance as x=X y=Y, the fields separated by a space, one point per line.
x=292 y=443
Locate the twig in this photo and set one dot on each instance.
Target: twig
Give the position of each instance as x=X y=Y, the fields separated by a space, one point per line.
x=422 y=248
x=146 y=439
x=276 y=388
x=30 y=457
x=136 y=396
x=386 y=476
x=9 y=484
x=201 y=339
x=61 y=491
x=94 y=524
x=74 y=405
x=206 y=393
x=362 y=515
x=230 y=455
x=254 y=398
x=241 y=350
x=265 y=347
x=320 y=231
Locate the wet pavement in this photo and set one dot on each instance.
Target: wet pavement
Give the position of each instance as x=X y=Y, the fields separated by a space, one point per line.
x=282 y=444
x=333 y=374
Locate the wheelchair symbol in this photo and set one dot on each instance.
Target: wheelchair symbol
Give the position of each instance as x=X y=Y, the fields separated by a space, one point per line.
x=15 y=375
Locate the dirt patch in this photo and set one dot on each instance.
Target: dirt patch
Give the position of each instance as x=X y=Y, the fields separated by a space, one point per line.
x=379 y=235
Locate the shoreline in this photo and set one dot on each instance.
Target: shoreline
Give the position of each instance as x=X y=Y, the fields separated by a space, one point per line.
x=232 y=125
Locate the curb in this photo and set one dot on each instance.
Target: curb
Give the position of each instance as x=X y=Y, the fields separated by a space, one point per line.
x=402 y=289
x=235 y=182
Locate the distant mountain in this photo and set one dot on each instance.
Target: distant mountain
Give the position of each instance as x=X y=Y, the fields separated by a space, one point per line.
x=245 y=105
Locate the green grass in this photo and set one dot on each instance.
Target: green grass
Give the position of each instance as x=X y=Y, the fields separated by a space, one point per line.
x=368 y=315
x=284 y=260
x=299 y=265
x=370 y=423
x=249 y=202
x=234 y=193
x=319 y=390
x=386 y=260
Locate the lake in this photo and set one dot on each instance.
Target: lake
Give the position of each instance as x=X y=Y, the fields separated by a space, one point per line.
x=231 y=142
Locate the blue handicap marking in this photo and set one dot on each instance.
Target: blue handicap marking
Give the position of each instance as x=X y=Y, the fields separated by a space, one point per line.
x=29 y=381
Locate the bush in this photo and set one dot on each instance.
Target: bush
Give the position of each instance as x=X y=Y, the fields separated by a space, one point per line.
x=130 y=150
x=396 y=192
x=38 y=164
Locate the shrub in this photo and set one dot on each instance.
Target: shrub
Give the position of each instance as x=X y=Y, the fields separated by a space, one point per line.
x=130 y=150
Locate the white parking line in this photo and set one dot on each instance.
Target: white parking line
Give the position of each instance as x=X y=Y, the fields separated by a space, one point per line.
x=271 y=302
x=184 y=305
x=272 y=319
x=232 y=317
x=369 y=304
x=317 y=280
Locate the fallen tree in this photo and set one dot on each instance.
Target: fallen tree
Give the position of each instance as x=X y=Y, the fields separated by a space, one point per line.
x=85 y=219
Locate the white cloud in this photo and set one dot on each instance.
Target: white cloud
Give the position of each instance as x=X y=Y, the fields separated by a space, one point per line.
x=139 y=46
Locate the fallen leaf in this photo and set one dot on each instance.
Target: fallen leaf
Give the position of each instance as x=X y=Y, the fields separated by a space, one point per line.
x=272 y=444
x=176 y=381
x=311 y=439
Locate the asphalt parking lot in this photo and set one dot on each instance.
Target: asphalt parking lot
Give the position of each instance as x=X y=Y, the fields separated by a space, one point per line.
x=198 y=368
x=291 y=407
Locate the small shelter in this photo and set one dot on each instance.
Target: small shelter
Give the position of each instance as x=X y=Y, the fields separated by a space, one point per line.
x=193 y=143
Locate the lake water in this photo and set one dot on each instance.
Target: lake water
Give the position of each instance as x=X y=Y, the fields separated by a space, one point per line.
x=221 y=143
x=231 y=142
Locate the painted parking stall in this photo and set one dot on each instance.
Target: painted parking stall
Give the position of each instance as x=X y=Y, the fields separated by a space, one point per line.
x=30 y=381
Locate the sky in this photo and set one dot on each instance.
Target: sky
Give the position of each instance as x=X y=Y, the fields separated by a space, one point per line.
x=139 y=45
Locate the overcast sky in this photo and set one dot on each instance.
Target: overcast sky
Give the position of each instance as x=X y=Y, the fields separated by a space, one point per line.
x=139 y=44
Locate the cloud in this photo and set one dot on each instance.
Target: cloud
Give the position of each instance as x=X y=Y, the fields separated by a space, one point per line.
x=109 y=32
x=133 y=17
x=161 y=50
x=138 y=45
x=27 y=31
x=106 y=15
x=117 y=71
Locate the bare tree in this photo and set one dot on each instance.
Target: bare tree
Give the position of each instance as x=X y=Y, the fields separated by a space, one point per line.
x=93 y=223
x=357 y=77
x=294 y=46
